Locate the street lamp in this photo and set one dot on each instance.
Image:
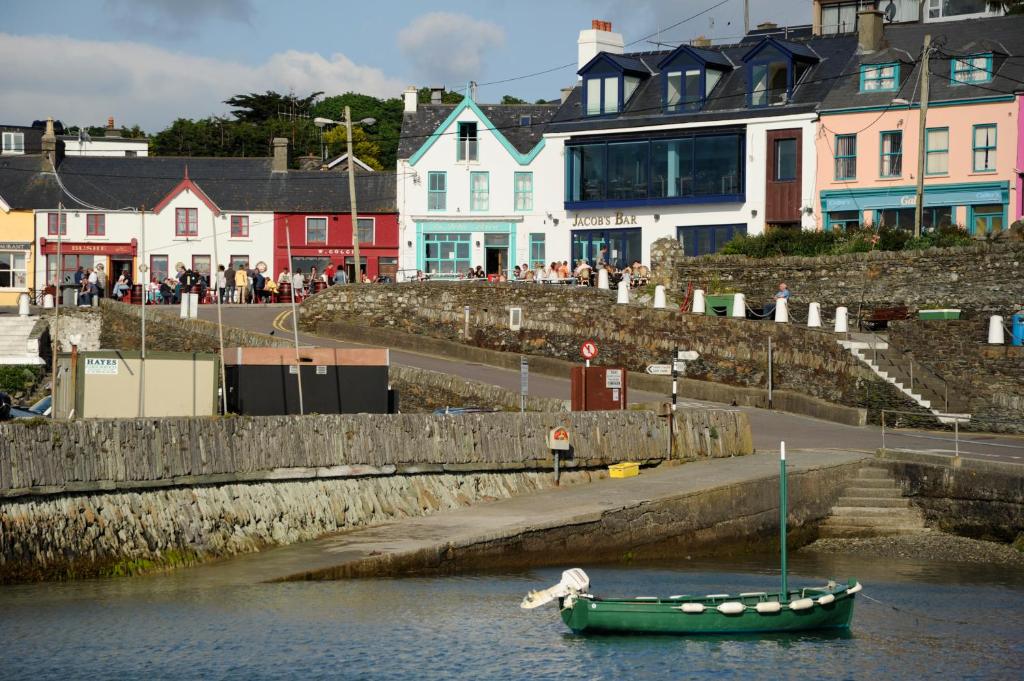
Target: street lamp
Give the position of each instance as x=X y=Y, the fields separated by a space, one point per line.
x=321 y=122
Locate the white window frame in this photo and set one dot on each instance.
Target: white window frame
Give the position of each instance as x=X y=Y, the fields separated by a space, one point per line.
x=8 y=256
x=327 y=227
x=9 y=145
x=373 y=228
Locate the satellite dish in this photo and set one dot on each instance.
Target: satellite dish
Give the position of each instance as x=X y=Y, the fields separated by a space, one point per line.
x=890 y=11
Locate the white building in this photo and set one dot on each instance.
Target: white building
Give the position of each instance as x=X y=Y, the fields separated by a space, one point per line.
x=112 y=143
x=477 y=185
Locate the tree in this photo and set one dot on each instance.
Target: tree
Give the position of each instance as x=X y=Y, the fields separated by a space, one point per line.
x=256 y=108
x=387 y=113
x=364 y=148
x=509 y=99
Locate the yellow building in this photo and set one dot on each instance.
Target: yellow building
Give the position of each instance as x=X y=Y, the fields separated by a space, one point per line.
x=17 y=237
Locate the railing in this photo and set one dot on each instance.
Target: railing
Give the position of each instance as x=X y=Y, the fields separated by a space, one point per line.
x=891 y=428
x=923 y=371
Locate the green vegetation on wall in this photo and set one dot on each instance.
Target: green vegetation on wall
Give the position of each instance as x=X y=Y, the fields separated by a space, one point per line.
x=18 y=377
x=784 y=242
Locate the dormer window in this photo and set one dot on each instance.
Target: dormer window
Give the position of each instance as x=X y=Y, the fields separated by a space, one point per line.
x=774 y=68
x=879 y=77
x=608 y=83
x=602 y=95
x=975 y=68
x=689 y=75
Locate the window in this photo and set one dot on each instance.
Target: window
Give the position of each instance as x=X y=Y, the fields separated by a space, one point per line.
x=51 y=224
x=985 y=148
x=365 y=227
x=201 y=265
x=239 y=262
x=683 y=91
x=936 y=145
x=942 y=9
x=131 y=153
x=437 y=190
x=706 y=240
x=879 y=77
x=525 y=121
x=537 y=250
x=14 y=143
x=891 y=161
x=602 y=94
x=13 y=273
x=316 y=230
x=95 y=224
x=186 y=222
x=846 y=157
x=842 y=17
x=976 y=68
x=896 y=218
x=468 y=142
x=842 y=220
x=70 y=266
x=239 y=226
x=445 y=253
x=479 y=191
x=769 y=83
x=933 y=217
x=785 y=160
x=158 y=267
x=523 y=191
x=987 y=219
x=675 y=170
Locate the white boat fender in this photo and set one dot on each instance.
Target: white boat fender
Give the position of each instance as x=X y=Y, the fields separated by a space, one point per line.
x=731 y=608
x=768 y=608
x=692 y=608
x=855 y=588
x=801 y=604
x=826 y=599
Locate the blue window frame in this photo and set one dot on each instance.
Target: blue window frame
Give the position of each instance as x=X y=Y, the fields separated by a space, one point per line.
x=707 y=239
x=987 y=219
x=537 y=249
x=479 y=191
x=773 y=72
x=890 y=162
x=974 y=68
x=688 y=77
x=984 y=147
x=437 y=190
x=603 y=95
x=936 y=151
x=879 y=77
x=846 y=157
x=446 y=253
x=523 y=191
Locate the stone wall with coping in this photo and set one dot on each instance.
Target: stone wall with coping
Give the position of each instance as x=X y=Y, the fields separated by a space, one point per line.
x=556 y=320
x=980 y=279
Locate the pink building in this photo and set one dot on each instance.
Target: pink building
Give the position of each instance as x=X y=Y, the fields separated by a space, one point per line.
x=868 y=139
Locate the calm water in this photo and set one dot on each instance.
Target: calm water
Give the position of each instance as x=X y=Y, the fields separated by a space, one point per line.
x=178 y=627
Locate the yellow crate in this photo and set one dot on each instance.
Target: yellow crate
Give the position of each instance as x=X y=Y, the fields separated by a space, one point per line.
x=626 y=469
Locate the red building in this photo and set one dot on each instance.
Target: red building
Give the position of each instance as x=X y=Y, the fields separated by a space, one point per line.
x=319 y=238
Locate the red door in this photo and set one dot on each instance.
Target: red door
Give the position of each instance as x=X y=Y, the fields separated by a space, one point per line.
x=785 y=166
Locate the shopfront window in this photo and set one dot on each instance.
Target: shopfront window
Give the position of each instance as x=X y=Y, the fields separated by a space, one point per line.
x=70 y=265
x=201 y=265
x=842 y=220
x=987 y=219
x=158 y=266
x=307 y=263
x=934 y=217
x=896 y=218
x=622 y=246
x=684 y=169
x=703 y=240
x=13 y=273
x=445 y=253
x=537 y=248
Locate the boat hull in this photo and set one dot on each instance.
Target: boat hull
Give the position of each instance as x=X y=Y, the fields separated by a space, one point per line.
x=597 y=616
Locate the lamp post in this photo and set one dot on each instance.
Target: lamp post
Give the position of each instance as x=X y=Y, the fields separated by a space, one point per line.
x=321 y=122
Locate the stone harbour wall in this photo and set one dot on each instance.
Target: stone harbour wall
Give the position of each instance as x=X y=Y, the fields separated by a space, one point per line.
x=981 y=279
x=556 y=320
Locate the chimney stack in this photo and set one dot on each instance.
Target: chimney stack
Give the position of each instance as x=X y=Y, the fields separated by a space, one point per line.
x=566 y=91
x=280 y=164
x=598 y=38
x=869 y=30
x=53 y=149
x=411 y=98
x=436 y=94
x=766 y=26
x=701 y=41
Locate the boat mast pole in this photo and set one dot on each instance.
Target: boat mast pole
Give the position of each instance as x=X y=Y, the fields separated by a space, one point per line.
x=784 y=596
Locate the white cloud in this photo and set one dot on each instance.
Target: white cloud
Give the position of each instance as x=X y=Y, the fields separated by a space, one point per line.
x=83 y=81
x=449 y=49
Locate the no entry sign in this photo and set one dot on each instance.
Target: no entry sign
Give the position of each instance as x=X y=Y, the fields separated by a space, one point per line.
x=588 y=349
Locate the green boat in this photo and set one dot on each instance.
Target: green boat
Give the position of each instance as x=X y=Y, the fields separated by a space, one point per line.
x=813 y=608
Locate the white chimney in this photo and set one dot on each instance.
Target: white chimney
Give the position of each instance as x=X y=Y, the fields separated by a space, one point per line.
x=598 y=38
x=411 y=97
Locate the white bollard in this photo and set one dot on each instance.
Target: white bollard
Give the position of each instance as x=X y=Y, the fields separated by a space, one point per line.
x=995 y=330
x=193 y=305
x=814 y=315
x=659 y=297
x=781 y=310
x=842 y=320
x=23 y=305
x=698 y=302
x=622 y=292
x=739 y=305
x=184 y=305
x=602 y=279
x=48 y=301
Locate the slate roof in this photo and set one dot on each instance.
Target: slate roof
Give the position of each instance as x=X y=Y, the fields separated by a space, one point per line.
x=729 y=98
x=234 y=184
x=418 y=126
x=1003 y=36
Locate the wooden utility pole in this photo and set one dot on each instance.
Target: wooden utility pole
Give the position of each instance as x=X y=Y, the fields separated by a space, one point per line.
x=352 y=200
x=922 y=136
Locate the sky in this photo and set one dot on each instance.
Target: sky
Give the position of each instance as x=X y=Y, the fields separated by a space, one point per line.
x=148 y=62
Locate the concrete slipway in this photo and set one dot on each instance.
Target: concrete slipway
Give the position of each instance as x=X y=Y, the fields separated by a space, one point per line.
x=703 y=506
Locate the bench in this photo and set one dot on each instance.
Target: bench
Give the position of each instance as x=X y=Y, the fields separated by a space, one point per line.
x=879 y=317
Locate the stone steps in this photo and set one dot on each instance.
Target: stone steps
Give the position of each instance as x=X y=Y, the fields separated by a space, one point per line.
x=15 y=347
x=872 y=506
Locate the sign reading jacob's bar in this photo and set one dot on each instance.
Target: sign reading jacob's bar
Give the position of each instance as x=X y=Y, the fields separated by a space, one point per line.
x=100 y=366
x=619 y=219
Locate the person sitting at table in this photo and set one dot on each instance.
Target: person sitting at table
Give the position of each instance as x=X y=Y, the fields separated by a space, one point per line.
x=285 y=276
x=542 y=273
x=529 y=275
x=563 y=270
x=517 y=273
x=470 y=273
x=582 y=271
